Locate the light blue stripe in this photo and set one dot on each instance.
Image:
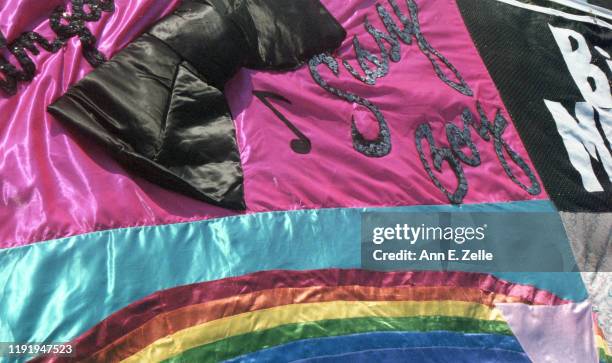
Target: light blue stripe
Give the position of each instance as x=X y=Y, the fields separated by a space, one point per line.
x=53 y=291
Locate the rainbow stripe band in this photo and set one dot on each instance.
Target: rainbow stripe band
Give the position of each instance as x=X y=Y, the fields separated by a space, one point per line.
x=247 y=343
x=111 y=337
x=186 y=317
x=259 y=320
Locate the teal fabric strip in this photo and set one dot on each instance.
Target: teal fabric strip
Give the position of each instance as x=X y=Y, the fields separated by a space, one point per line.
x=53 y=291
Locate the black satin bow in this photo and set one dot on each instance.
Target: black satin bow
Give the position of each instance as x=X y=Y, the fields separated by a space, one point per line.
x=159 y=106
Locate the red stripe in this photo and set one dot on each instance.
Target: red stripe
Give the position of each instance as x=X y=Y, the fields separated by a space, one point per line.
x=139 y=312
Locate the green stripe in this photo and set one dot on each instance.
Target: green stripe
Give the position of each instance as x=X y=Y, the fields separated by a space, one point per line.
x=252 y=342
x=603 y=357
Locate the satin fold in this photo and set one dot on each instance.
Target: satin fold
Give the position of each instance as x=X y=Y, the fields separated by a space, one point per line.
x=158 y=106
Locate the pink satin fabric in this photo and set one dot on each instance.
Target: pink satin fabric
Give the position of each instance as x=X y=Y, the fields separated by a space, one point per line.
x=54 y=185
x=334 y=174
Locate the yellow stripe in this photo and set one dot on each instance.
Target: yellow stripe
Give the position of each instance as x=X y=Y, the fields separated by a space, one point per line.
x=215 y=330
x=600 y=343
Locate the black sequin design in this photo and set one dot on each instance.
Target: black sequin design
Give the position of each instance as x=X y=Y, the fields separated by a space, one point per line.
x=65 y=26
x=459 y=138
x=394 y=35
x=439 y=155
x=378 y=147
x=461 y=86
x=375 y=66
x=496 y=130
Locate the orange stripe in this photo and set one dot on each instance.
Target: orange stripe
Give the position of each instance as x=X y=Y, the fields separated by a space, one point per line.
x=176 y=320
